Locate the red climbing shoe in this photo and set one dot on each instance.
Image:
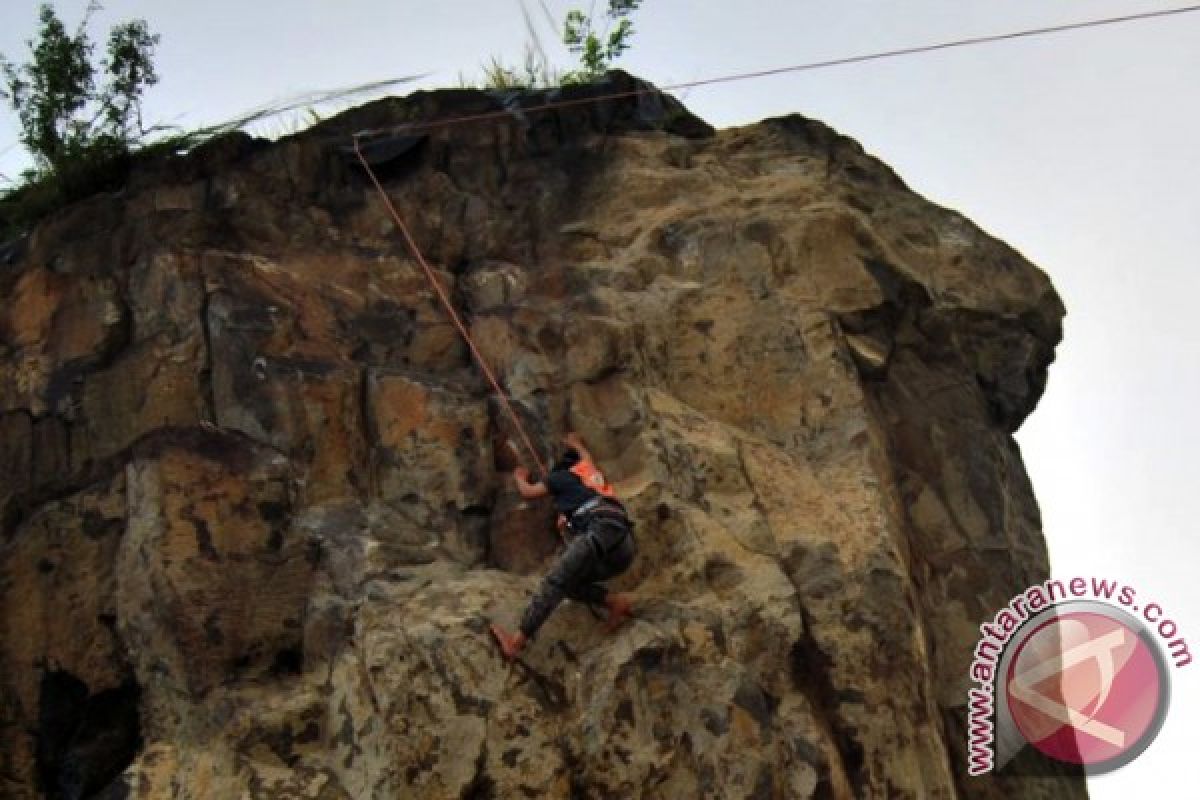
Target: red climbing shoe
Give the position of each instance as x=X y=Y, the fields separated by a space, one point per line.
x=510 y=643
x=620 y=608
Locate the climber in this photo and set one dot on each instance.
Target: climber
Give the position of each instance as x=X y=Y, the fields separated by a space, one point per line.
x=600 y=546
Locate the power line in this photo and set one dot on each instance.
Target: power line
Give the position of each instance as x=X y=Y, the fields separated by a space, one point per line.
x=929 y=48
x=814 y=65
x=416 y=251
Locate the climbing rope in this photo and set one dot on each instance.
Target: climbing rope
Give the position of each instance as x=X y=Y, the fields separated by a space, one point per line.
x=458 y=323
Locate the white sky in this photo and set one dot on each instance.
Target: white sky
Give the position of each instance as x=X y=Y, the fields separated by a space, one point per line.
x=1079 y=149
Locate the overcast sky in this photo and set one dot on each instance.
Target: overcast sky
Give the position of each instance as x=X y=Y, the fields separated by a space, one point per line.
x=1079 y=149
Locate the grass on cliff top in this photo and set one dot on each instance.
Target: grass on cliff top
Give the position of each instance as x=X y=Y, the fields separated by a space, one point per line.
x=103 y=169
x=100 y=170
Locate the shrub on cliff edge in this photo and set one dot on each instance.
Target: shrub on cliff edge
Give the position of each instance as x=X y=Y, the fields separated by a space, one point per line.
x=78 y=133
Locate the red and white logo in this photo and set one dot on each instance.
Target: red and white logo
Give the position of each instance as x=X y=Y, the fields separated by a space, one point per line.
x=1080 y=679
x=1086 y=688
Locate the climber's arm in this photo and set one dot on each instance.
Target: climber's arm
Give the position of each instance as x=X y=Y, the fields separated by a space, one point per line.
x=573 y=439
x=527 y=489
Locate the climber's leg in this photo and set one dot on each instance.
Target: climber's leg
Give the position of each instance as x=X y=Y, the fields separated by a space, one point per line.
x=571 y=571
x=566 y=578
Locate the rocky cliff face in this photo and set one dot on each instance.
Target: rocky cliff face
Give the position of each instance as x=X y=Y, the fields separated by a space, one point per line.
x=256 y=506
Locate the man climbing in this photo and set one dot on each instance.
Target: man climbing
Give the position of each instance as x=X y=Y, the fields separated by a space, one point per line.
x=600 y=544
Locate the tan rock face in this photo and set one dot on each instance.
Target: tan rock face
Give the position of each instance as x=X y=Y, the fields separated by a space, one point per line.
x=256 y=505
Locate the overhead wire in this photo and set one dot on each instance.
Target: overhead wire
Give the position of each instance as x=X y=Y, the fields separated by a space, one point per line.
x=804 y=67
x=409 y=128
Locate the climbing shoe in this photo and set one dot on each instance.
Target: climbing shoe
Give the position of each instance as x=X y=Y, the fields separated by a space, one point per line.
x=510 y=643
x=620 y=608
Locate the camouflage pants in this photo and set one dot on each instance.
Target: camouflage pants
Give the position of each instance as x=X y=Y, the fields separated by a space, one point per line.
x=603 y=550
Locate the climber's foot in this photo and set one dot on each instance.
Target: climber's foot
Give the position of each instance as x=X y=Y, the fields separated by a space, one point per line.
x=620 y=608
x=510 y=643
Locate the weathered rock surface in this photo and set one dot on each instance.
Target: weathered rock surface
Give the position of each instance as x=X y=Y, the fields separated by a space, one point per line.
x=256 y=503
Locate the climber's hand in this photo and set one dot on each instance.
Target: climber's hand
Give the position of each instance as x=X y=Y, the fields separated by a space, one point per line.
x=526 y=488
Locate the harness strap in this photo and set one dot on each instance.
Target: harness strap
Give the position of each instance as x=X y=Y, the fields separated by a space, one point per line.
x=599 y=505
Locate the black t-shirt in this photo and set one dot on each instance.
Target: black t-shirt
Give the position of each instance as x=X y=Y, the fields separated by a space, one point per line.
x=568 y=491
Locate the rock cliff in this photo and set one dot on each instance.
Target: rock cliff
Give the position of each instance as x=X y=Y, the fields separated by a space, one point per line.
x=256 y=501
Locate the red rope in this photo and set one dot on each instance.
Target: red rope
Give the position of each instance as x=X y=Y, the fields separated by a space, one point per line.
x=441 y=293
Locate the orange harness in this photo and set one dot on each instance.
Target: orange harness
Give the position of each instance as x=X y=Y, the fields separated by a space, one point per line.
x=593 y=478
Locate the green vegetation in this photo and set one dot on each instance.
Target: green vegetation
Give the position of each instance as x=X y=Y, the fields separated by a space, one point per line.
x=581 y=32
x=597 y=52
x=81 y=117
x=534 y=71
x=78 y=133
x=65 y=117
x=84 y=138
